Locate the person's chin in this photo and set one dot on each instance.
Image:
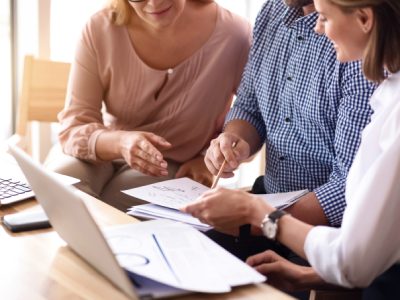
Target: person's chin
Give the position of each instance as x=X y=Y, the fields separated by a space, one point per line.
x=297 y=3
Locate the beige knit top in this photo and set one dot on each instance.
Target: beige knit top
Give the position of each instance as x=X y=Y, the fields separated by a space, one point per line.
x=189 y=110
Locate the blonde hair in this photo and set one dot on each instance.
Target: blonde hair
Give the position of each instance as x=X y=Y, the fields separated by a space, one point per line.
x=384 y=44
x=122 y=11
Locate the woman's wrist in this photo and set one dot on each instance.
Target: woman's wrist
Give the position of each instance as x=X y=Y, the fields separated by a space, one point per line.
x=310 y=279
x=109 y=145
x=258 y=211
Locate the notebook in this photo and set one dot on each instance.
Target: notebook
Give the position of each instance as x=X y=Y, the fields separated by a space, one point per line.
x=141 y=259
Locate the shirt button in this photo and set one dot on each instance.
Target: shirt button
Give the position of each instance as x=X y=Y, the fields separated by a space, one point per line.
x=300 y=38
x=287 y=120
x=281 y=158
x=289 y=78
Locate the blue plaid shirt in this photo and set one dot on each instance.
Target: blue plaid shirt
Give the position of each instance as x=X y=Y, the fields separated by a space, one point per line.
x=309 y=108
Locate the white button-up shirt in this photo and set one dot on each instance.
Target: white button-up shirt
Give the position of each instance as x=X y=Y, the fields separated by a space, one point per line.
x=369 y=240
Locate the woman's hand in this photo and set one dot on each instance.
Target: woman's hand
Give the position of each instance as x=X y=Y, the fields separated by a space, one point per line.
x=284 y=274
x=195 y=169
x=141 y=151
x=222 y=149
x=226 y=209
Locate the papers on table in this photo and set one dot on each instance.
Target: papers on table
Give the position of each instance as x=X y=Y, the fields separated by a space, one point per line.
x=177 y=255
x=174 y=193
x=170 y=195
x=283 y=200
x=154 y=211
x=166 y=198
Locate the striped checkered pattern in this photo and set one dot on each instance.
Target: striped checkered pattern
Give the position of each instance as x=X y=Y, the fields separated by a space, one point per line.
x=309 y=108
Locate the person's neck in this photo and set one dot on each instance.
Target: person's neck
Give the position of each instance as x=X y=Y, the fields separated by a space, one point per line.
x=308 y=9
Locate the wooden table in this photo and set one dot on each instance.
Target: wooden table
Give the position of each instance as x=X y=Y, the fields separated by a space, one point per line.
x=39 y=265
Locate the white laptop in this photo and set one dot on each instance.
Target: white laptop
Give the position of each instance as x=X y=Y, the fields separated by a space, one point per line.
x=13 y=184
x=159 y=258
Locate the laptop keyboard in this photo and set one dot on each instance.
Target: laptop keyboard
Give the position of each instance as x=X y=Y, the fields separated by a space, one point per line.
x=12 y=190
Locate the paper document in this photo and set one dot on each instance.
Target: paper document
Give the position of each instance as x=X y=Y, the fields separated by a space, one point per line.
x=174 y=193
x=170 y=195
x=178 y=255
x=154 y=211
x=283 y=200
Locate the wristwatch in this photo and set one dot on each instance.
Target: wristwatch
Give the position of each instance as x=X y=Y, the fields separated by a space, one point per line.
x=269 y=224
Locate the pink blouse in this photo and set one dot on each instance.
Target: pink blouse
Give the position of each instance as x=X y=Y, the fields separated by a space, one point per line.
x=111 y=88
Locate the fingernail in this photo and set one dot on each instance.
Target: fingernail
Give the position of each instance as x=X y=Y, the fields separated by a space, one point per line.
x=164 y=173
x=163 y=164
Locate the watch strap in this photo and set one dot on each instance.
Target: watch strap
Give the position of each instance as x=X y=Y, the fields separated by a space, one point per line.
x=270 y=223
x=276 y=215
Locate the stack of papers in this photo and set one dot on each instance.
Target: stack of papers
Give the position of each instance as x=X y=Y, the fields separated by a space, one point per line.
x=154 y=211
x=168 y=196
x=283 y=200
x=179 y=256
x=174 y=193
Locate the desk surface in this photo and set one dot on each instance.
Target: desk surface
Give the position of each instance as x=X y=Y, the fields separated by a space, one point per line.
x=39 y=265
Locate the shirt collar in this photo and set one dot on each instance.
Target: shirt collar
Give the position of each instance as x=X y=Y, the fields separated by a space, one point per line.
x=294 y=16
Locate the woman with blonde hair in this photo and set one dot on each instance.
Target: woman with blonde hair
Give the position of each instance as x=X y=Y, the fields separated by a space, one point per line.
x=149 y=88
x=365 y=250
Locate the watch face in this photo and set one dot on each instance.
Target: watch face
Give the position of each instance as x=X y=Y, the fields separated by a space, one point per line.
x=270 y=229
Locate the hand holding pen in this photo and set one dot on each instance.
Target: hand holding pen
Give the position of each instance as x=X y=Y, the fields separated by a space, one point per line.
x=225 y=154
x=221 y=169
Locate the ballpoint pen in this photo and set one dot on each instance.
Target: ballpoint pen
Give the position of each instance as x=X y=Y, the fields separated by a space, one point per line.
x=221 y=169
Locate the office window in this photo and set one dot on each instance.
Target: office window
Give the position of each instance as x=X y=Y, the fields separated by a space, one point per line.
x=5 y=70
x=244 y=8
x=67 y=20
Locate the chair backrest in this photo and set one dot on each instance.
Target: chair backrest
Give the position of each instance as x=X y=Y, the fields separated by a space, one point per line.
x=43 y=93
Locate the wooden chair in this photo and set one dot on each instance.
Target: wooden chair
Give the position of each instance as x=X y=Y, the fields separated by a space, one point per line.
x=42 y=97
